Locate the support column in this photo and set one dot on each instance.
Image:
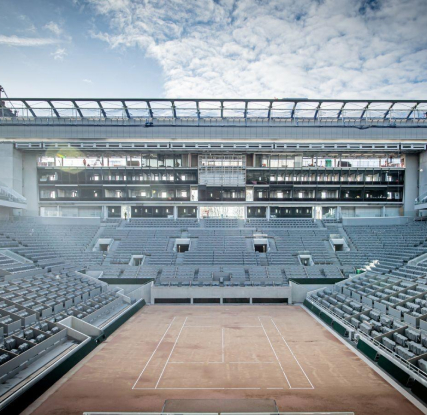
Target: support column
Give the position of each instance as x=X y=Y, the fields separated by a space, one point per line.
x=383 y=212
x=175 y=212
x=30 y=188
x=422 y=173
x=411 y=184
x=268 y=213
x=338 y=214
x=11 y=167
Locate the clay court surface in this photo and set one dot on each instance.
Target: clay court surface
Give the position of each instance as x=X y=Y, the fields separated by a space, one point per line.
x=219 y=352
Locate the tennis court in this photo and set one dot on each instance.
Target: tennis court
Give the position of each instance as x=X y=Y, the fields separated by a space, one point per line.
x=223 y=352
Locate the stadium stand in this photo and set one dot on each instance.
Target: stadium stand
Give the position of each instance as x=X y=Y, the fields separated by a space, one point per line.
x=389 y=308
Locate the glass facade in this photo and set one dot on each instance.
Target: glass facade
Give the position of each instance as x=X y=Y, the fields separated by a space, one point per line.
x=233 y=178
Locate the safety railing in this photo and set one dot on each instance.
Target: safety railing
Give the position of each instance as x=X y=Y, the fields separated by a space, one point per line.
x=421 y=199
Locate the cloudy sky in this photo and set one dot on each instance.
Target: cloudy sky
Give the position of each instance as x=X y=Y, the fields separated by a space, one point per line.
x=214 y=48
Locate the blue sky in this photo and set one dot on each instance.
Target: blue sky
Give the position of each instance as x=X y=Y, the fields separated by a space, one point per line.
x=214 y=48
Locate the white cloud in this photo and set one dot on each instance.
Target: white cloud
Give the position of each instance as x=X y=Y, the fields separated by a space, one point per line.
x=87 y=81
x=54 y=28
x=26 y=41
x=59 y=54
x=277 y=48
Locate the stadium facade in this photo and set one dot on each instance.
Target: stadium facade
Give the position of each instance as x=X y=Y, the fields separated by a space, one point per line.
x=198 y=158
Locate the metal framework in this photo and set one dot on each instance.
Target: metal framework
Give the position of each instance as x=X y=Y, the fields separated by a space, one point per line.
x=205 y=108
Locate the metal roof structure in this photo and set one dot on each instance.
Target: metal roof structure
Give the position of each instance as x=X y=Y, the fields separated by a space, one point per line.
x=206 y=108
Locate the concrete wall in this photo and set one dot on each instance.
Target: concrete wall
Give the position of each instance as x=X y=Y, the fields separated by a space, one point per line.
x=411 y=184
x=5 y=212
x=398 y=220
x=11 y=167
x=68 y=221
x=136 y=130
x=145 y=290
x=422 y=174
x=29 y=183
x=221 y=292
x=299 y=291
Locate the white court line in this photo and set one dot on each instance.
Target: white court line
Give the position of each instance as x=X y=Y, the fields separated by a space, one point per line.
x=199 y=326
x=272 y=348
x=222 y=344
x=152 y=354
x=170 y=354
x=202 y=388
x=227 y=326
x=305 y=374
x=188 y=363
x=252 y=363
x=228 y=363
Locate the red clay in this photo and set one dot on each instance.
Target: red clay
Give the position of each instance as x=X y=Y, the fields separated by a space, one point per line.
x=224 y=352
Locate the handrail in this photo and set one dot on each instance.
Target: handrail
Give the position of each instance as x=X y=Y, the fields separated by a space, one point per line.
x=421 y=199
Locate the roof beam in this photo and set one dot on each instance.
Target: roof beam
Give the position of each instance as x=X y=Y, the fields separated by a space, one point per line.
x=77 y=108
x=364 y=110
x=173 y=109
x=125 y=107
x=293 y=110
x=30 y=109
x=198 y=109
x=412 y=110
x=341 y=110
x=54 y=109
x=317 y=110
x=150 y=110
x=270 y=106
x=388 y=110
x=104 y=114
x=403 y=101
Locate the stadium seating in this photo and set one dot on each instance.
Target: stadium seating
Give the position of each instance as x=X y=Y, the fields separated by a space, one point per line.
x=390 y=309
x=30 y=307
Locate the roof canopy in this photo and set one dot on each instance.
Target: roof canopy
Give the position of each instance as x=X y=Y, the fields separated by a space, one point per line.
x=169 y=108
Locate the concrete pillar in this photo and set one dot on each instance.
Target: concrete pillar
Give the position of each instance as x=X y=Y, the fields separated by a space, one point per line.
x=250 y=300
x=383 y=212
x=338 y=212
x=29 y=183
x=191 y=300
x=268 y=213
x=411 y=184
x=104 y=212
x=175 y=212
x=422 y=173
x=221 y=301
x=11 y=167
